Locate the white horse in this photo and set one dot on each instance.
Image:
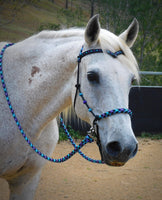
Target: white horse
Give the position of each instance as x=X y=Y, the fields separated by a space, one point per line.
x=40 y=74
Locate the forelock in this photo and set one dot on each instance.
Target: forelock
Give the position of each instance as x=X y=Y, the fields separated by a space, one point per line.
x=110 y=41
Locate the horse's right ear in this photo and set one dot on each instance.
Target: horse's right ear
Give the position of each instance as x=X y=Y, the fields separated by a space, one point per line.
x=92 y=30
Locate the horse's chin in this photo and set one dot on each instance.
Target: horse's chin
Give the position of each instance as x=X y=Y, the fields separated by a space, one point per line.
x=109 y=162
x=115 y=163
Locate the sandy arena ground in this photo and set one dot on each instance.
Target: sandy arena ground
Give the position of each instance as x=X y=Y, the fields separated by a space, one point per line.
x=140 y=178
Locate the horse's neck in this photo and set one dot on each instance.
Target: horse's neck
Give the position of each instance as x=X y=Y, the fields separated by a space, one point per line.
x=45 y=76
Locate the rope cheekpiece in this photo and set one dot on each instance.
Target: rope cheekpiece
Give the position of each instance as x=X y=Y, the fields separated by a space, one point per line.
x=87 y=139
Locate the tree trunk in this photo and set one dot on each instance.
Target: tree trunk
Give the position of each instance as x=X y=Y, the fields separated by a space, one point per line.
x=92 y=8
x=66 y=4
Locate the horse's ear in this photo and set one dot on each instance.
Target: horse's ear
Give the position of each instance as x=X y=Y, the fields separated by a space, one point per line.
x=92 y=30
x=130 y=34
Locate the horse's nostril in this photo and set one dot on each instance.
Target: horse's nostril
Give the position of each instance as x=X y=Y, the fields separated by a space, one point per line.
x=113 y=149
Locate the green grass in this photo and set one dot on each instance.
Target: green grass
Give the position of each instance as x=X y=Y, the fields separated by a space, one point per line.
x=74 y=134
x=152 y=136
x=77 y=135
x=21 y=20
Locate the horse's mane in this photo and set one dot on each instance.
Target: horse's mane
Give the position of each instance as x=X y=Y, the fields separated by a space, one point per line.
x=72 y=32
x=114 y=43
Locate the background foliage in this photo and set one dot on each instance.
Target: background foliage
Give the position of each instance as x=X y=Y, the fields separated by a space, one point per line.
x=21 y=18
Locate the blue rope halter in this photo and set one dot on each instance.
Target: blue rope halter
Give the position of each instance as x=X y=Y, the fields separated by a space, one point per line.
x=95 y=130
x=87 y=139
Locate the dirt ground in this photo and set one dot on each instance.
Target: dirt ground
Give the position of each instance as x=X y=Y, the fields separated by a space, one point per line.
x=140 y=178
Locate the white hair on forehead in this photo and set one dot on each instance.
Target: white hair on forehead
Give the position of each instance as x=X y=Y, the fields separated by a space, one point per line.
x=110 y=41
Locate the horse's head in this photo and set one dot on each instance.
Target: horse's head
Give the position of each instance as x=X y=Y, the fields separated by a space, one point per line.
x=103 y=81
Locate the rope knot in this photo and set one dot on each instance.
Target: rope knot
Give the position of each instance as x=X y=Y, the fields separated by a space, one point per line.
x=78 y=59
x=77 y=86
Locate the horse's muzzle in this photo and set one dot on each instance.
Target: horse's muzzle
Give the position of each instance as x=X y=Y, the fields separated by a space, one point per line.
x=117 y=155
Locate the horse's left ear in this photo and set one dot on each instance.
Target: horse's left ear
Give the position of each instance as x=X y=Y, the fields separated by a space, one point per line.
x=92 y=30
x=130 y=34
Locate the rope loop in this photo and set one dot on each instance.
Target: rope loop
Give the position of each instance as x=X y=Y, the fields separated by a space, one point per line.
x=77 y=148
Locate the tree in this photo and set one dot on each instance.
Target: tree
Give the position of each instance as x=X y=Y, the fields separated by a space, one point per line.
x=117 y=15
x=148 y=14
x=66 y=4
x=92 y=7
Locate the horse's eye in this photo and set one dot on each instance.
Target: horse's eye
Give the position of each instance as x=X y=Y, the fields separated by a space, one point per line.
x=93 y=77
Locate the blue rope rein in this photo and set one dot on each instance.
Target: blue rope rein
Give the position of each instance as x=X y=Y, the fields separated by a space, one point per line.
x=73 y=143
x=77 y=148
x=87 y=139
